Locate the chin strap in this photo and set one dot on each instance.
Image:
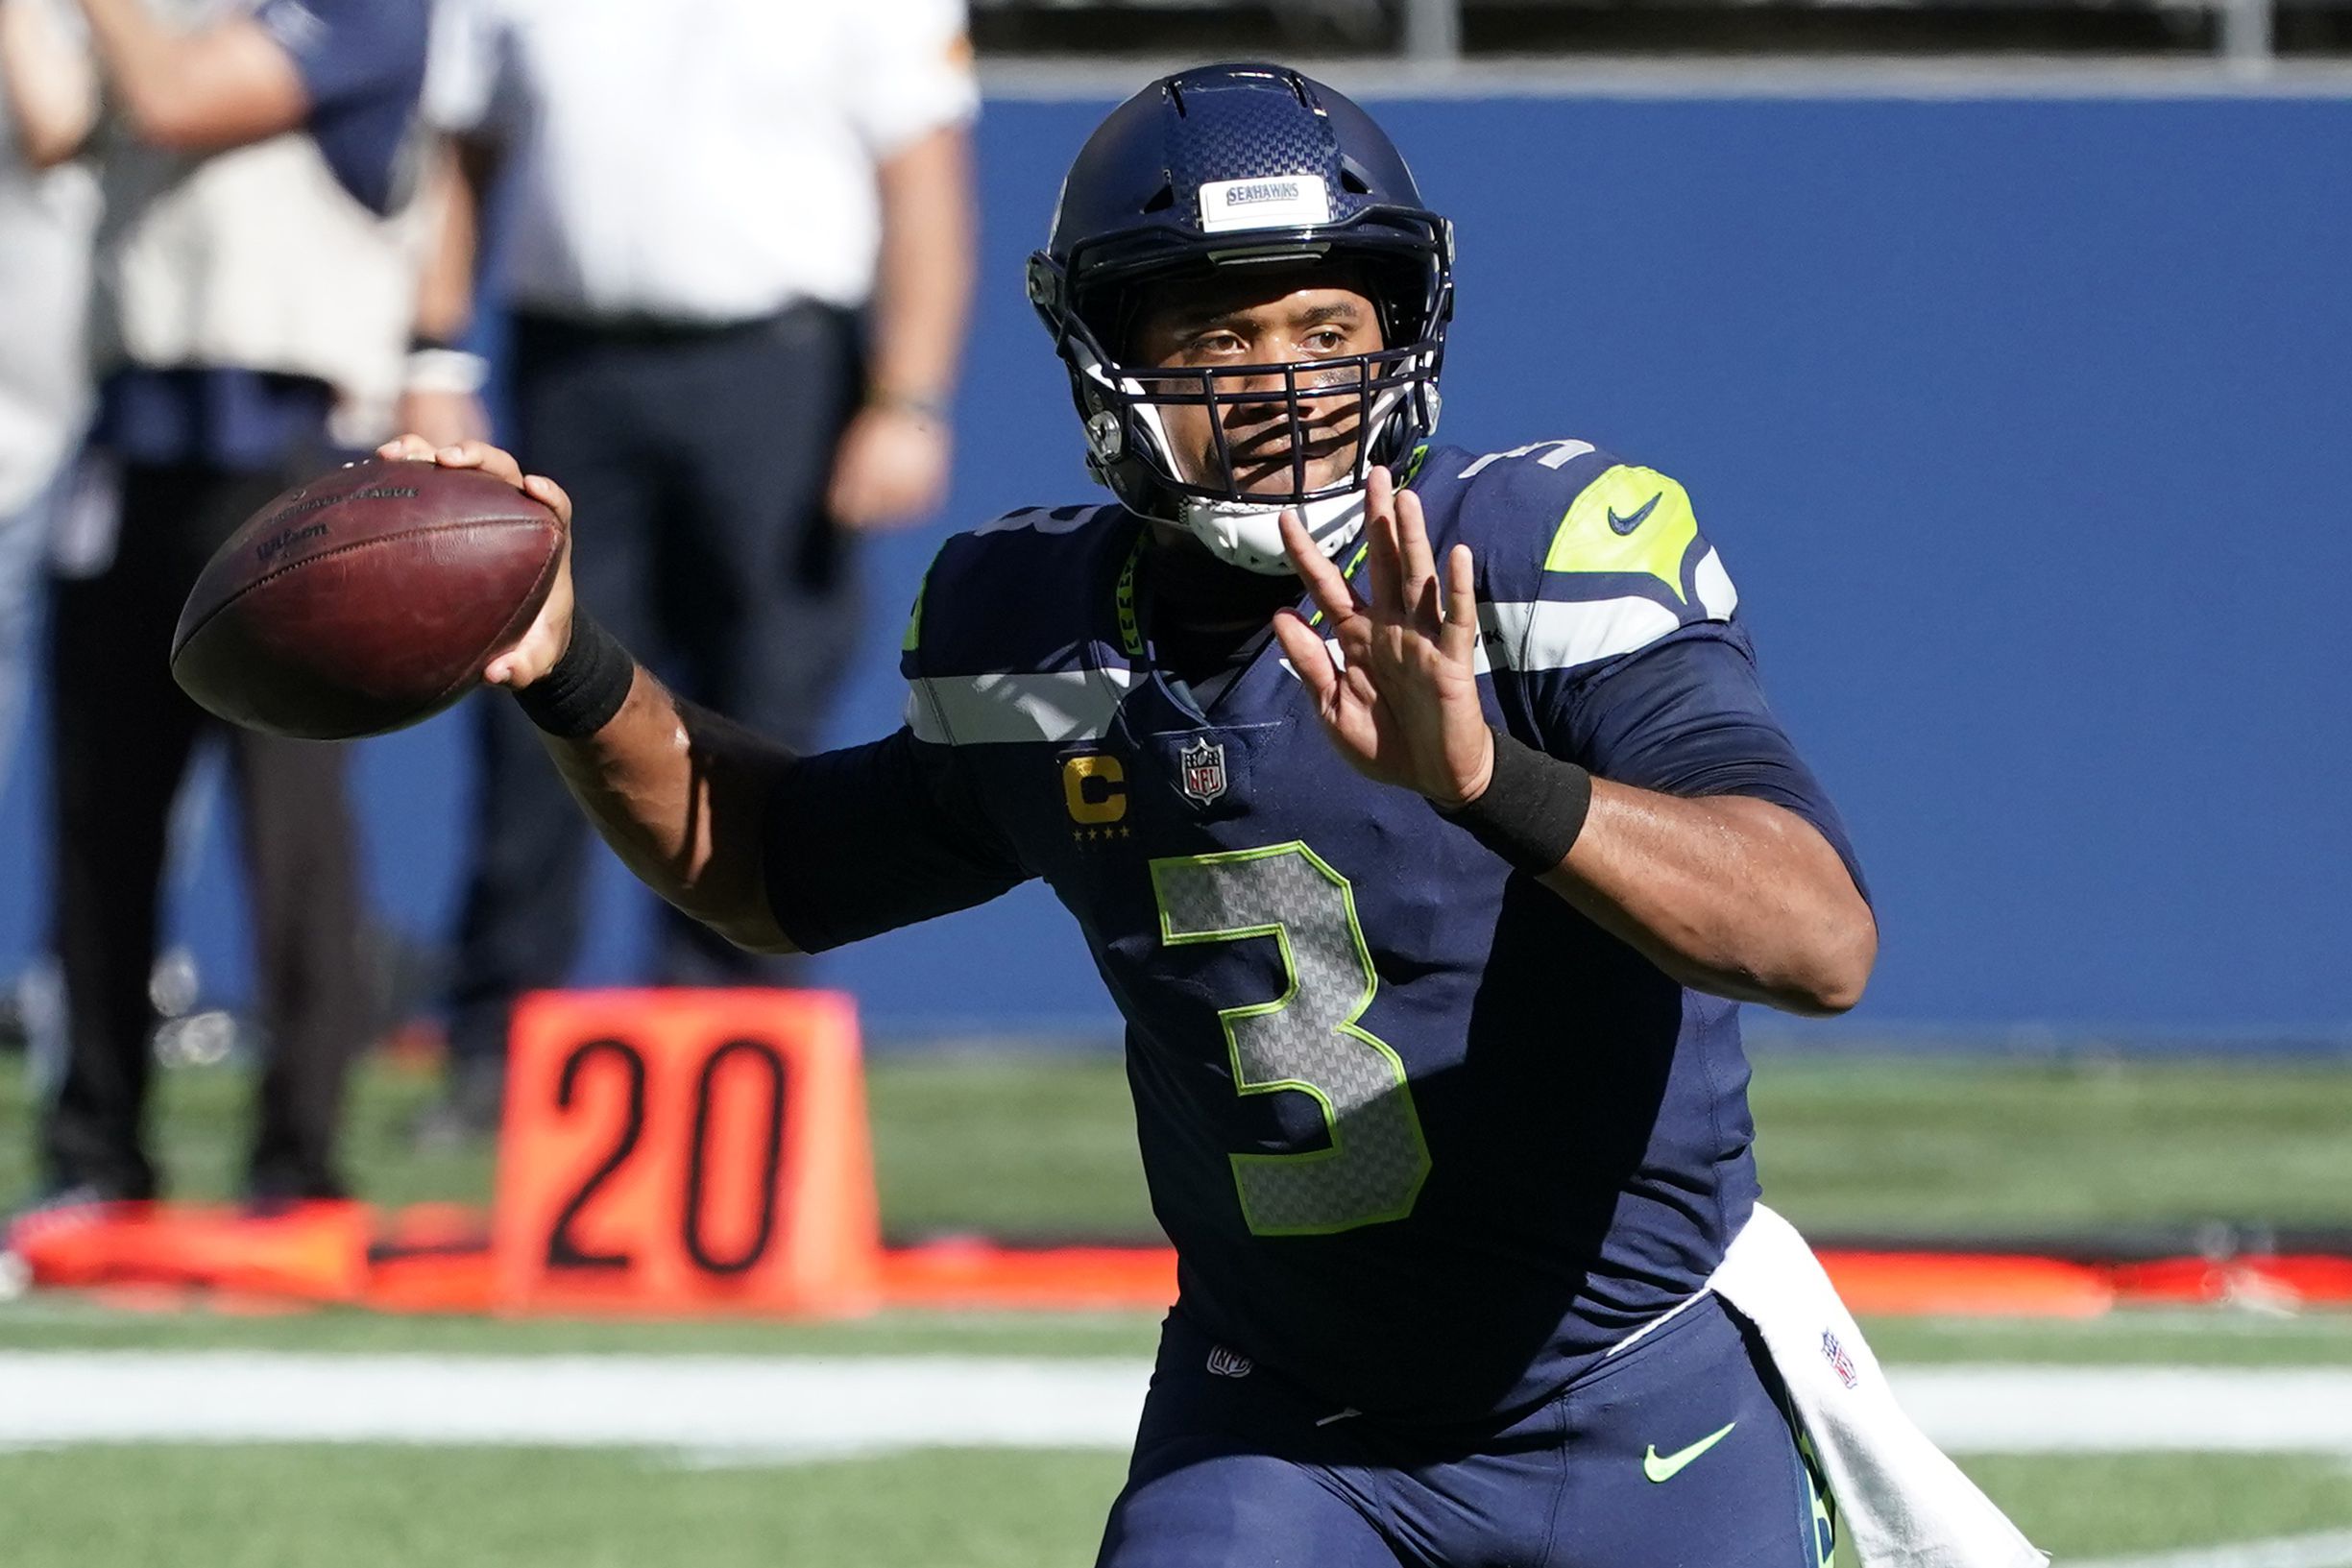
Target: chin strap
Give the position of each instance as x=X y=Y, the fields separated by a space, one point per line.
x=1250 y=535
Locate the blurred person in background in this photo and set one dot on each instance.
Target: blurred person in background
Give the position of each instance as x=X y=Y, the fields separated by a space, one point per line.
x=705 y=199
x=250 y=291
x=46 y=216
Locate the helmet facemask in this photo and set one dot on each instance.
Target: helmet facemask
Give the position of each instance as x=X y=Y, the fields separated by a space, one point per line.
x=1270 y=425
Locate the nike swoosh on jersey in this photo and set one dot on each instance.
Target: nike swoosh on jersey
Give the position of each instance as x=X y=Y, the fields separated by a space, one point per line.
x=1626 y=525
x=1665 y=1467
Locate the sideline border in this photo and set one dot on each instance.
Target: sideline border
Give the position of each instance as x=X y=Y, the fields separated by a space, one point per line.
x=1049 y=78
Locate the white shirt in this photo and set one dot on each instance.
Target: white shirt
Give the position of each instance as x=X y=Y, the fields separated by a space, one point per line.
x=46 y=221
x=696 y=159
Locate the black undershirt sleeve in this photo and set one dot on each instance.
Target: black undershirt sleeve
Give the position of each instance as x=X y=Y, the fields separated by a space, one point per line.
x=1687 y=716
x=869 y=839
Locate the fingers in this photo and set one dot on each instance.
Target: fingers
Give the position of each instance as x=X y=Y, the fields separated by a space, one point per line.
x=550 y=495
x=465 y=454
x=1461 y=590
x=1382 y=580
x=891 y=470
x=1460 y=636
x=492 y=460
x=407 y=448
x=1418 y=567
x=1325 y=582
x=495 y=461
x=1308 y=655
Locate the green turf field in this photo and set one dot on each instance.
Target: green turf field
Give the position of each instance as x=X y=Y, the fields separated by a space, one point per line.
x=1043 y=1147
x=291 y=1506
x=383 y=1507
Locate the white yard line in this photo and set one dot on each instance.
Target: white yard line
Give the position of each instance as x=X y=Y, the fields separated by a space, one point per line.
x=742 y=1408
x=2333 y=1550
x=2114 y=1409
x=781 y=1406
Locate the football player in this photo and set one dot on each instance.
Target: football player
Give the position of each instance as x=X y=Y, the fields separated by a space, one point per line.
x=1424 y=817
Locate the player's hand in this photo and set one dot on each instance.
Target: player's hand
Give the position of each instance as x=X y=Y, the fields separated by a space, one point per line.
x=1400 y=700
x=550 y=633
x=445 y=419
x=889 y=470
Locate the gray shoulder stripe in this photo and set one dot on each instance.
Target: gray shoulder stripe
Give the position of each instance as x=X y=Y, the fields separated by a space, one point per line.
x=1555 y=454
x=1038 y=520
x=1004 y=708
x=1568 y=634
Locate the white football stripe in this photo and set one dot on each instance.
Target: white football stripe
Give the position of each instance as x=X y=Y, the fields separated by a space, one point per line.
x=1039 y=520
x=1564 y=634
x=1004 y=708
x=1714 y=587
x=1557 y=454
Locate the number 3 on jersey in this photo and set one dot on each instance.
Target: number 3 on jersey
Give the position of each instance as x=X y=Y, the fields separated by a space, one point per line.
x=1306 y=1038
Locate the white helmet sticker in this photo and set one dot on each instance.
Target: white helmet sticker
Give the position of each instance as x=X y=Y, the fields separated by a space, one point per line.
x=1285 y=201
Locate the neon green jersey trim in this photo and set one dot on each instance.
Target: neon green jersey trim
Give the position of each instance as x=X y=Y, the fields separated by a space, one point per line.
x=1627 y=520
x=1130 y=625
x=913 y=639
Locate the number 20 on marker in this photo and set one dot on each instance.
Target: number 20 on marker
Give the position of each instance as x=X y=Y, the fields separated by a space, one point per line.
x=679 y=1152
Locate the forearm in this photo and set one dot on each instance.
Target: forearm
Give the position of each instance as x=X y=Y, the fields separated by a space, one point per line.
x=1726 y=894
x=681 y=795
x=924 y=273
x=51 y=91
x=225 y=86
x=460 y=173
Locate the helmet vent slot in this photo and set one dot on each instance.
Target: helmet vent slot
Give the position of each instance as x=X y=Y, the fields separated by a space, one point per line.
x=1161 y=200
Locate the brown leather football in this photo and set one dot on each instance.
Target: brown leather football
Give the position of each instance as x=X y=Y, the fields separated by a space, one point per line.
x=368 y=599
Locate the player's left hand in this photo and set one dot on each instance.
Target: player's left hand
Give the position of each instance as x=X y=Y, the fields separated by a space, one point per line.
x=889 y=470
x=1400 y=700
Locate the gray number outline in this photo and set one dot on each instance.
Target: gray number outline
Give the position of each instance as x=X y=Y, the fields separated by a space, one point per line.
x=1245 y=1165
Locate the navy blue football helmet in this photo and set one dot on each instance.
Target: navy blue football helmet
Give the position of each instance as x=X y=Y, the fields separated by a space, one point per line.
x=1220 y=168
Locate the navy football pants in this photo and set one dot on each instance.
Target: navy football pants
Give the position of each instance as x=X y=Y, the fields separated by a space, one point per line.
x=1614 y=1472
x=698 y=458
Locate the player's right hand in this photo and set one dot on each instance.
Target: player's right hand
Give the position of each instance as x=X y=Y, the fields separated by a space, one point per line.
x=550 y=633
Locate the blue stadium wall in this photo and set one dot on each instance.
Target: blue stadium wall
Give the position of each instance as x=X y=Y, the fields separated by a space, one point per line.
x=2025 y=426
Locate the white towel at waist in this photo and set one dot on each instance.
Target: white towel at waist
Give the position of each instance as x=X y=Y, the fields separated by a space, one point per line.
x=1902 y=1503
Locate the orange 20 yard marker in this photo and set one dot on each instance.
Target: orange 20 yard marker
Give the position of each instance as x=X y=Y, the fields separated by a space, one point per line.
x=685 y=1153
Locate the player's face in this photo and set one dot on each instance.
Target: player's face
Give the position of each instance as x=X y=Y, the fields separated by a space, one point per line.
x=1247 y=329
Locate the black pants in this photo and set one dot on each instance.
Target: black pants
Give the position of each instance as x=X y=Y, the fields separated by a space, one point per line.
x=696 y=460
x=122 y=736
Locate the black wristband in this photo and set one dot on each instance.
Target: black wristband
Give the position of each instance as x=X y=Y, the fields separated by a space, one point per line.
x=587 y=686
x=1532 y=809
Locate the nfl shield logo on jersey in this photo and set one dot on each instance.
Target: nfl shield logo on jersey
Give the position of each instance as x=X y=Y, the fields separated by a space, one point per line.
x=1203 y=766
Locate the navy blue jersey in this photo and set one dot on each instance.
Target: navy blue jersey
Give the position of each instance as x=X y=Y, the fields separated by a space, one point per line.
x=362 y=63
x=1426 y=1140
